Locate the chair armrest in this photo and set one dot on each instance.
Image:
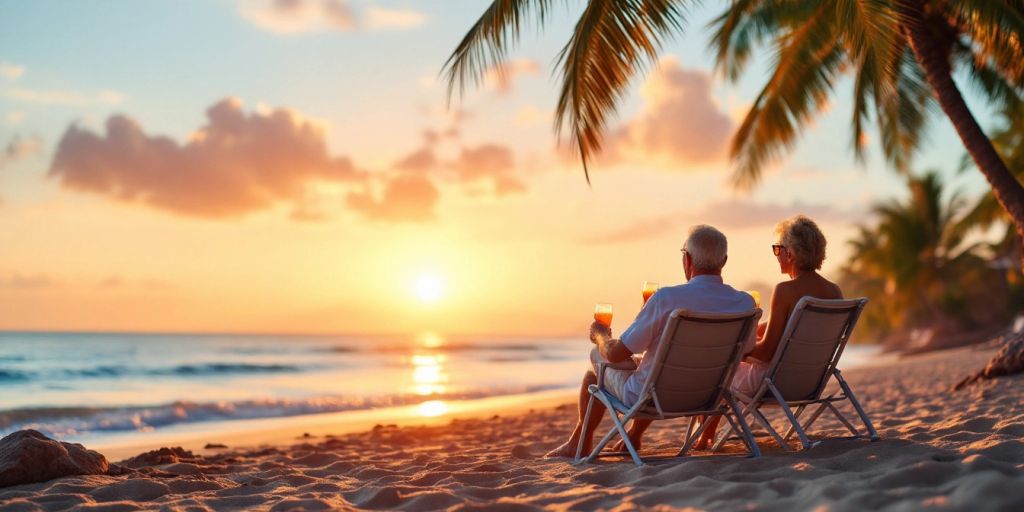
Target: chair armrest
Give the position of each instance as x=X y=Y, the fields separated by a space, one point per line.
x=600 y=374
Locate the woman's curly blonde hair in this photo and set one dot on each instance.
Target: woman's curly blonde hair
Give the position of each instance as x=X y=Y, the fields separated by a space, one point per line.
x=803 y=240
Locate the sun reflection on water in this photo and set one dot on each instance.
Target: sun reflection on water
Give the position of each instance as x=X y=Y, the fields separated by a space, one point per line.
x=433 y=408
x=428 y=375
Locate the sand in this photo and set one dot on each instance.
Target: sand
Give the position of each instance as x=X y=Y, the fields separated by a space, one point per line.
x=940 y=451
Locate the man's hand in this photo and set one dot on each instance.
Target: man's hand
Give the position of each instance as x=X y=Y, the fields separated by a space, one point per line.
x=597 y=329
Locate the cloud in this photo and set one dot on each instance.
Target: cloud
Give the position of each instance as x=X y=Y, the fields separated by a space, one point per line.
x=11 y=71
x=238 y=163
x=20 y=281
x=19 y=147
x=379 y=18
x=422 y=159
x=730 y=215
x=501 y=78
x=679 y=125
x=406 y=197
x=302 y=16
x=491 y=165
x=118 y=282
x=59 y=97
x=15 y=117
x=531 y=115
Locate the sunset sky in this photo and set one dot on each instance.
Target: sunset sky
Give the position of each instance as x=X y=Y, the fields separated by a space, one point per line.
x=218 y=165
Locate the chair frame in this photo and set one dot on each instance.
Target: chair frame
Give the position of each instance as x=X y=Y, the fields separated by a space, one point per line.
x=768 y=393
x=648 y=406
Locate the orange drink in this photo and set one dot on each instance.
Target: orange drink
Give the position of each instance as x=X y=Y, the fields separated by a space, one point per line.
x=603 y=314
x=757 y=297
x=648 y=289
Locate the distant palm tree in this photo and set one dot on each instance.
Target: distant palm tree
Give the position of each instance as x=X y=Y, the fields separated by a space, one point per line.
x=902 y=53
x=917 y=268
x=1009 y=142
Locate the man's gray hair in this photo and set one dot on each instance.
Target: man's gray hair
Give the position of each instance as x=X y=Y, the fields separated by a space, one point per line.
x=707 y=247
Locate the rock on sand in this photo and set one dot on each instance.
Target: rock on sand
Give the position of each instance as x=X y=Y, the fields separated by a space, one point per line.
x=28 y=456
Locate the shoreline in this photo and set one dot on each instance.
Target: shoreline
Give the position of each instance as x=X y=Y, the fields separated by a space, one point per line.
x=938 y=449
x=289 y=430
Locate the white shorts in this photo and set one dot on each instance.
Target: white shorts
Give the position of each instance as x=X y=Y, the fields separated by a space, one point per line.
x=748 y=377
x=615 y=376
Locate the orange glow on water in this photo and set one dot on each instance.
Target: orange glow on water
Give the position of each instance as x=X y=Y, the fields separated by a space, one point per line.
x=433 y=408
x=428 y=373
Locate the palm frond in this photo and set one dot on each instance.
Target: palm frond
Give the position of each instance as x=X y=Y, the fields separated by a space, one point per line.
x=613 y=41
x=748 y=23
x=488 y=41
x=903 y=110
x=808 y=59
x=996 y=28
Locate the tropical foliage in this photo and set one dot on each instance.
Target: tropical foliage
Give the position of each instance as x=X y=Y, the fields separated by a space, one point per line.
x=902 y=54
x=920 y=271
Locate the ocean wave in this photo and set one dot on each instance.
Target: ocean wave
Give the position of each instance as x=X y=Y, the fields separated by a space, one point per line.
x=225 y=368
x=7 y=375
x=452 y=347
x=209 y=369
x=61 y=422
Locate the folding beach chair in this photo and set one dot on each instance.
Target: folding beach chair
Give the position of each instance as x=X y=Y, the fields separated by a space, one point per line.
x=693 y=366
x=810 y=348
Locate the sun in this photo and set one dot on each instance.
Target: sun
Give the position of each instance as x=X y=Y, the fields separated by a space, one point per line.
x=429 y=288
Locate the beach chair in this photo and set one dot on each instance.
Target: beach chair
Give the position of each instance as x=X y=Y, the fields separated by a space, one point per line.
x=693 y=366
x=810 y=348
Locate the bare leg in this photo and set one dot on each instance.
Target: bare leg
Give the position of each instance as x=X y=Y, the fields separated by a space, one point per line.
x=708 y=436
x=568 y=449
x=636 y=431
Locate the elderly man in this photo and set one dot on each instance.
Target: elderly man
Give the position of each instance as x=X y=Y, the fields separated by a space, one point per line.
x=704 y=254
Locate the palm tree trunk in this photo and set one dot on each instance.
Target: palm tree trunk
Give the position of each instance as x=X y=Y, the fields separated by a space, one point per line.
x=934 y=59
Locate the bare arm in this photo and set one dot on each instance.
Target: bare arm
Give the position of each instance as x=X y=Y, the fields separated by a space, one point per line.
x=612 y=350
x=766 y=345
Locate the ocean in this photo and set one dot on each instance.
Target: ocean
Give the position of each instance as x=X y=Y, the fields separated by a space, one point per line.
x=84 y=387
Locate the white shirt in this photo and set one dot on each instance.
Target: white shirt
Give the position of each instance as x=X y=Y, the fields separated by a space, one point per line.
x=703 y=293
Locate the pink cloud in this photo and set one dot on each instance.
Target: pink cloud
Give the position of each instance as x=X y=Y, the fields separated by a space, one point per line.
x=680 y=123
x=501 y=78
x=19 y=147
x=238 y=163
x=726 y=215
x=407 y=197
x=490 y=164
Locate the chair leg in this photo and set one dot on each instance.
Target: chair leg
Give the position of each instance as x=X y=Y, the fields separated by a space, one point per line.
x=621 y=428
x=725 y=437
x=771 y=430
x=789 y=432
x=810 y=421
x=688 y=440
x=856 y=405
x=789 y=414
x=744 y=429
x=583 y=433
x=849 y=426
x=692 y=437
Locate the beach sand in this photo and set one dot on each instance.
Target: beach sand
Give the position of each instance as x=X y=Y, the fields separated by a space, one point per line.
x=940 y=450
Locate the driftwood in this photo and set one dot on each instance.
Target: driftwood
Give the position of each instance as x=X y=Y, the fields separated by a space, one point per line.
x=1008 y=361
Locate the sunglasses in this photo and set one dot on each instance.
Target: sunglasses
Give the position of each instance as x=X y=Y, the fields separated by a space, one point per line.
x=776 y=249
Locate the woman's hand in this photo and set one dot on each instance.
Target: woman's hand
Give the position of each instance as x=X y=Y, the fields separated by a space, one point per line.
x=599 y=329
x=761 y=328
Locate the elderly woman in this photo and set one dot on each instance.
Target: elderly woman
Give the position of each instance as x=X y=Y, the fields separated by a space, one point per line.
x=800 y=252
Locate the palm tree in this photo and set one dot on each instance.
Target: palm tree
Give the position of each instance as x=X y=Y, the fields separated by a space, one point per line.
x=915 y=264
x=1008 y=140
x=902 y=53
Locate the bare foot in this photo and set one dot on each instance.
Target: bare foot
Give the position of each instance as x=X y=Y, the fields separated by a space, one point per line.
x=703 y=443
x=620 y=446
x=568 y=449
